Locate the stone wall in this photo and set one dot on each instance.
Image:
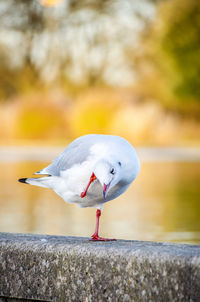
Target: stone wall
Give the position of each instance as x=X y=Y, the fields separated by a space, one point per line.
x=55 y=268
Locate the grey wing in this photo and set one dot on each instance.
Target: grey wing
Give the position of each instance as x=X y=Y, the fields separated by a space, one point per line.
x=77 y=152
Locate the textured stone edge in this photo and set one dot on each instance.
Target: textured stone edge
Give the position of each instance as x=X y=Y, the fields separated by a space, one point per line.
x=5 y=299
x=51 y=268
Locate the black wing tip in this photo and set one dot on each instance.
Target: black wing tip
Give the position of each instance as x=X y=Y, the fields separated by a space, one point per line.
x=23 y=180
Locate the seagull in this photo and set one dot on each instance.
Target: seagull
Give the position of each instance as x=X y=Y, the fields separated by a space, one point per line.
x=91 y=171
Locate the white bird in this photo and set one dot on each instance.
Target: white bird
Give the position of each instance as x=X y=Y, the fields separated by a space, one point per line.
x=92 y=170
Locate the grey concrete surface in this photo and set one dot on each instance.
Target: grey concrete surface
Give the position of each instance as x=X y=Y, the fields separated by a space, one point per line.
x=58 y=268
x=3 y=299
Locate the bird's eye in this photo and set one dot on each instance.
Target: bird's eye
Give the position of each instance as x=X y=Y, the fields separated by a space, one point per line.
x=112 y=171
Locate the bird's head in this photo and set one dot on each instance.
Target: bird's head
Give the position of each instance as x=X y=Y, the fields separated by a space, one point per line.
x=108 y=173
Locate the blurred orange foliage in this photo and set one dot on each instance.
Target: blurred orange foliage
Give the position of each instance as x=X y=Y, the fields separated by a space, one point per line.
x=55 y=117
x=50 y=3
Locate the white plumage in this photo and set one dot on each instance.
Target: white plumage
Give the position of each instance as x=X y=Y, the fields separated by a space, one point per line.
x=92 y=170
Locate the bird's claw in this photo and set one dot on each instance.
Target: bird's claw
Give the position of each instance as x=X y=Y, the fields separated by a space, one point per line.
x=97 y=238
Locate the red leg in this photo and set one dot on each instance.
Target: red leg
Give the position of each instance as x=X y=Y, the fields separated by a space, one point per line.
x=95 y=236
x=92 y=178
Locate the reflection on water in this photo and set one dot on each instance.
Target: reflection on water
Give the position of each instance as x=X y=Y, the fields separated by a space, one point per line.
x=162 y=205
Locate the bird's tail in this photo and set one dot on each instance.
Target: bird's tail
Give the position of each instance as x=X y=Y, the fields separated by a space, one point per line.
x=40 y=182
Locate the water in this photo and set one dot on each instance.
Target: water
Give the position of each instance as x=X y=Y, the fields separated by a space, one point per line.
x=163 y=204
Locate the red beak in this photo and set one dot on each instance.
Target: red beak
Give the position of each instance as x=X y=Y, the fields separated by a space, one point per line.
x=105 y=189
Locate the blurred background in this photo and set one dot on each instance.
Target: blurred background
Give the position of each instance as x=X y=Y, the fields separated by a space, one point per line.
x=123 y=67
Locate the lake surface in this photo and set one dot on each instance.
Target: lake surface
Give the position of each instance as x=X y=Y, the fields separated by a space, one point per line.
x=163 y=204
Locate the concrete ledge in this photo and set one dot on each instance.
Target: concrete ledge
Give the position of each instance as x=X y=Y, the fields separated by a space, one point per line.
x=54 y=268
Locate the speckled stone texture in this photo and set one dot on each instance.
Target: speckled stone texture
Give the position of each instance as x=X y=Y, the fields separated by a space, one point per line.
x=54 y=268
x=3 y=299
